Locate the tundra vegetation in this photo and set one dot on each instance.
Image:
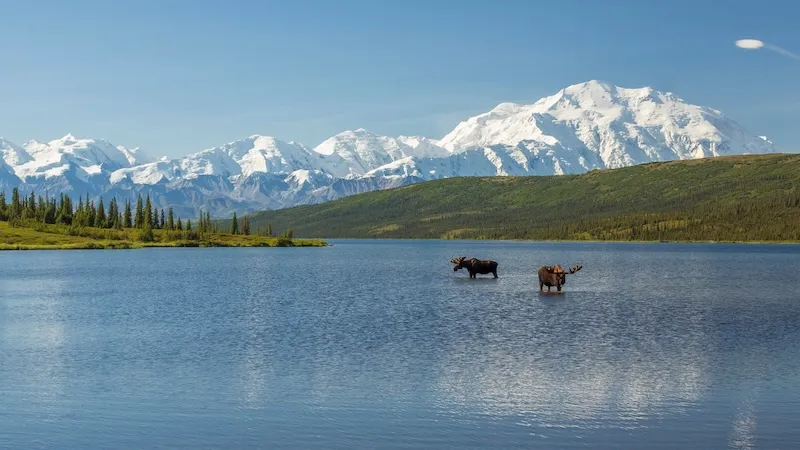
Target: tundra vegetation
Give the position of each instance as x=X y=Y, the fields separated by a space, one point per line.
x=31 y=222
x=753 y=198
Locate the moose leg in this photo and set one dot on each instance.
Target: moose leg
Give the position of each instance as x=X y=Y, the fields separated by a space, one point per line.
x=558 y=287
x=494 y=272
x=541 y=286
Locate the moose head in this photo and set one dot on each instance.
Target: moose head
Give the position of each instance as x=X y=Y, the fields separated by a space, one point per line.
x=562 y=275
x=459 y=263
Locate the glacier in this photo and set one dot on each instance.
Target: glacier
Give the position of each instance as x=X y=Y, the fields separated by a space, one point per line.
x=583 y=127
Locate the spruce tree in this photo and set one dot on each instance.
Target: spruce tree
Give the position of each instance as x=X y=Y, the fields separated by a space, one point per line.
x=3 y=206
x=180 y=224
x=115 y=217
x=80 y=214
x=269 y=229
x=127 y=219
x=100 y=218
x=16 y=205
x=112 y=218
x=52 y=211
x=171 y=219
x=30 y=207
x=161 y=221
x=234 y=225
x=91 y=214
x=110 y=214
x=139 y=212
x=64 y=214
x=245 y=226
x=148 y=213
x=188 y=224
x=41 y=209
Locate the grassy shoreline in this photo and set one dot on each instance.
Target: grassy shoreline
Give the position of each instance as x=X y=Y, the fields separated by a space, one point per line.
x=57 y=237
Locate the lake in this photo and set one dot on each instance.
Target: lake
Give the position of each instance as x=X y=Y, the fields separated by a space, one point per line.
x=379 y=344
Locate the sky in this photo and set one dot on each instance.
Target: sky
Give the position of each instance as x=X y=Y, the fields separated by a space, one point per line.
x=177 y=76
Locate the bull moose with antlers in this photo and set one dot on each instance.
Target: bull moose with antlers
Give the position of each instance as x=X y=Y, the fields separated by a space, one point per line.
x=554 y=276
x=475 y=266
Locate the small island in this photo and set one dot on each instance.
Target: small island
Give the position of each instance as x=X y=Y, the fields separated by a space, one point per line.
x=31 y=223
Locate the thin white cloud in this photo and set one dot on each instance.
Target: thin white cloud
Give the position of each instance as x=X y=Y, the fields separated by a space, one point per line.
x=755 y=44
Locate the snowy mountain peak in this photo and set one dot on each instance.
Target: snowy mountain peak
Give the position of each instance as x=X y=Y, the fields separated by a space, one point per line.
x=612 y=125
x=585 y=126
x=12 y=154
x=135 y=155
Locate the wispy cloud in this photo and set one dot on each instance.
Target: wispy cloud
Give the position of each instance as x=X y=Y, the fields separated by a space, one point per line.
x=755 y=44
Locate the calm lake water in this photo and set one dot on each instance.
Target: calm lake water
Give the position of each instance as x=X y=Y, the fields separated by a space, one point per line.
x=381 y=345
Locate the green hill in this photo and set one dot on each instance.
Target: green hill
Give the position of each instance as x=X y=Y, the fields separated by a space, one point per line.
x=741 y=198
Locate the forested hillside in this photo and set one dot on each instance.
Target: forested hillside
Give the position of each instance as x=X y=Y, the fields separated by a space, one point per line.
x=739 y=198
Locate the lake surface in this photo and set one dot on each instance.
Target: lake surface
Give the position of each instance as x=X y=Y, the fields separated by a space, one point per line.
x=381 y=345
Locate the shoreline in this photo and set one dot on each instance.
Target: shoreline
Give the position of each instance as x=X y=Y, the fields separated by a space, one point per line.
x=129 y=245
x=132 y=245
x=575 y=241
x=59 y=237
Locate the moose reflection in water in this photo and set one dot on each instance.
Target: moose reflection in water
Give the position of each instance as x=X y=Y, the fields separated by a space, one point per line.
x=554 y=276
x=475 y=266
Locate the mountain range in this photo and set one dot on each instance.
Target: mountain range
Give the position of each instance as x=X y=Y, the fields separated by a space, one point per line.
x=586 y=126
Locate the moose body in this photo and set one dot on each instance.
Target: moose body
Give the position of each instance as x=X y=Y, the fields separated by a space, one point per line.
x=475 y=266
x=554 y=276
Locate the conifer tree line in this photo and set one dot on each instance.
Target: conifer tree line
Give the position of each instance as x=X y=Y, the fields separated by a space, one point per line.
x=242 y=226
x=143 y=215
x=62 y=210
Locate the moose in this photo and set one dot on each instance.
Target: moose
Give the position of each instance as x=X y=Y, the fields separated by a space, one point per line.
x=475 y=266
x=554 y=276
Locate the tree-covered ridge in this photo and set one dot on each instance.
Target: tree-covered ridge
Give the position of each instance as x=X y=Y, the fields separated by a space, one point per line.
x=741 y=198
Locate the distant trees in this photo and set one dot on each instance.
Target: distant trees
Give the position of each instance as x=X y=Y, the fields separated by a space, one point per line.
x=245 y=225
x=204 y=223
x=146 y=217
x=3 y=206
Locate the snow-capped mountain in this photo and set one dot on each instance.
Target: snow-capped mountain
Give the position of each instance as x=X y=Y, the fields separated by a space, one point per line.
x=8 y=179
x=591 y=125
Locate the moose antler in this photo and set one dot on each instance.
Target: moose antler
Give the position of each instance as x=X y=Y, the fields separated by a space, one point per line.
x=575 y=269
x=458 y=260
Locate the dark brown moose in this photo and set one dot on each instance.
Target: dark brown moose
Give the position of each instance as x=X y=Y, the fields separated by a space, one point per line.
x=554 y=276
x=475 y=266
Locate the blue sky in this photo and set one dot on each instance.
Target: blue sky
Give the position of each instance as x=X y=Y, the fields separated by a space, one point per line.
x=177 y=76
